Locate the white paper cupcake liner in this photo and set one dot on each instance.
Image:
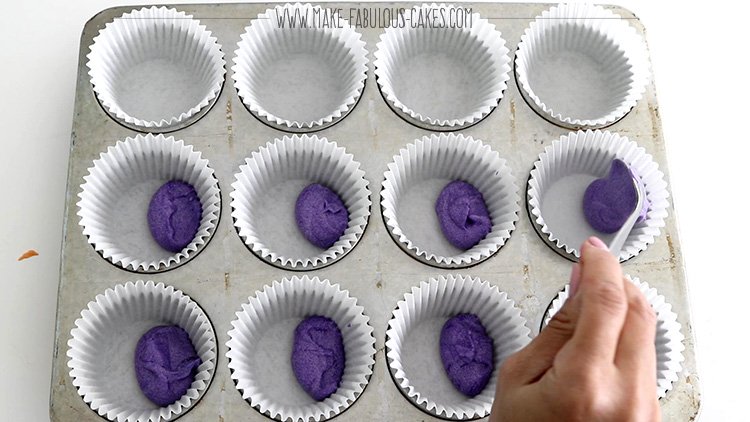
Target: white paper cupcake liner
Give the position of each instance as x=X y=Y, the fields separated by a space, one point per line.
x=581 y=66
x=563 y=172
x=668 y=341
x=413 y=342
x=470 y=65
x=299 y=79
x=260 y=348
x=416 y=177
x=103 y=344
x=117 y=192
x=265 y=192
x=156 y=69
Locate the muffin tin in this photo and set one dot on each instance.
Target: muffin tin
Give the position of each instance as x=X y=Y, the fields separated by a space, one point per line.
x=377 y=272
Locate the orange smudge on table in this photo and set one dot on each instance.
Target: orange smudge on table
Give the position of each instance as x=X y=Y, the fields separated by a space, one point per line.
x=28 y=254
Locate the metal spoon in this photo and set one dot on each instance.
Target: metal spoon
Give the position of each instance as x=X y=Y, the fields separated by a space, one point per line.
x=615 y=246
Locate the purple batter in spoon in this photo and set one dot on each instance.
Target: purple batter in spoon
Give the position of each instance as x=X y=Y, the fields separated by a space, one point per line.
x=609 y=201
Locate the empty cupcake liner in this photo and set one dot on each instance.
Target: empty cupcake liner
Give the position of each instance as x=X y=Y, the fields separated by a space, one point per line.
x=413 y=342
x=668 y=341
x=156 y=69
x=102 y=346
x=470 y=64
x=414 y=180
x=581 y=66
x=260 y=348
x=299 y=79
x=118 y=189
x=563 y=172
x=265 y=192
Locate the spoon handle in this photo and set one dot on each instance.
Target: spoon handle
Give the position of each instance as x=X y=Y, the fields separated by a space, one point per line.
x=615 y=246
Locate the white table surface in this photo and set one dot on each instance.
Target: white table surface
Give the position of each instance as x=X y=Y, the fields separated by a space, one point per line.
x=702 y=88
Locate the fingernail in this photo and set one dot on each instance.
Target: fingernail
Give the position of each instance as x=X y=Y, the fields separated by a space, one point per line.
x=575 y=278
x=597 y=243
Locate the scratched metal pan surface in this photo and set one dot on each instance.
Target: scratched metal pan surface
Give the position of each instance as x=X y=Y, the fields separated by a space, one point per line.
x=377 y=272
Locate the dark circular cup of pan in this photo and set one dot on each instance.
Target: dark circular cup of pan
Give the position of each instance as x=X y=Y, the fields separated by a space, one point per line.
x=259 y=349
x=562 y=173
x=413 y=342
x=581 y=66
x=101 y=345
x=469 y=63
x=267 y=186
x=414 y=180
x=156 y=69
x=115 y=197
x=299 y=79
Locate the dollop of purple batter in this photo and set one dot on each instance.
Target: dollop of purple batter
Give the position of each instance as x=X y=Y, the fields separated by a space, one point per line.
x=609 y=201
x=321 y=215
x=174 y=215
x=318 y=356
x=462 y=214
x=467 y=353
x=165 y=364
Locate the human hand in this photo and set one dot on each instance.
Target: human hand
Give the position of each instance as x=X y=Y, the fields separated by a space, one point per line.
x=594 y=361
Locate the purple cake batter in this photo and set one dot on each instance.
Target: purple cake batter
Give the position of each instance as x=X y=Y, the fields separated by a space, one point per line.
x=467 y=353
x=165 y=364
x=174 y=215
x=318 y=356
x=321 y=215
x=463 y=214
x=608 y=202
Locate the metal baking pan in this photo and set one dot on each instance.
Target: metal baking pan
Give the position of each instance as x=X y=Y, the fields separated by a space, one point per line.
x=377 y=272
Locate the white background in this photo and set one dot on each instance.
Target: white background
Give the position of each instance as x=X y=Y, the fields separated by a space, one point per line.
x=699 y=54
